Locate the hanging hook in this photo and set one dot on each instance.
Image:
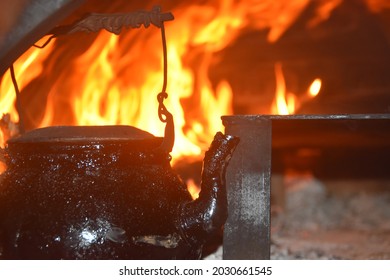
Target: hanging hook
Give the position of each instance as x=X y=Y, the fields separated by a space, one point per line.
x=163 y=113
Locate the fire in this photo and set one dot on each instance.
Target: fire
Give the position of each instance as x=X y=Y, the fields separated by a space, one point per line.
x=27 y=67
x=116 y=80
x=99 y=96
x=107 y=101
x=315 y=87
x=193 y=188
x=286 y=103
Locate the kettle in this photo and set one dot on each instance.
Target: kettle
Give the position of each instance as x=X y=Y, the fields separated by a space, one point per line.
x=106 y=192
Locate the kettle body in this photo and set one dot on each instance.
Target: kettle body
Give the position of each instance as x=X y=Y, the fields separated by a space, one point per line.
x=102 y=193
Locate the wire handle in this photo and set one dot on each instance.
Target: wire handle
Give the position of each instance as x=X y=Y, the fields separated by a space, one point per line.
x=163 y=114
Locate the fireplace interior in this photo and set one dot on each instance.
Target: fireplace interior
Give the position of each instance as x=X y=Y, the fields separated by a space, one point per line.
x=329 y=188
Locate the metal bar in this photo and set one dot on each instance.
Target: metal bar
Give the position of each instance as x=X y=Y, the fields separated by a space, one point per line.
x=38 y=17
x=247 y=230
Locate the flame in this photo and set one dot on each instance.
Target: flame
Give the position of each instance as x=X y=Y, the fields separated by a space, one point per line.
x=286 y=103
x=193 y=188
x=315 y=87
x=108 y=84
x=323 y=11
x=116 y=80
x=377 y=6
x=27 y=67
x=101 y=97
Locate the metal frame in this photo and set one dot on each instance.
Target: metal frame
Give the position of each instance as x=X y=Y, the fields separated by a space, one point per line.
x=248 y=227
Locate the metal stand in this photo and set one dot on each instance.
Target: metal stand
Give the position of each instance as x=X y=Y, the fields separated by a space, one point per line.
x=359 y=139
x=247 y=230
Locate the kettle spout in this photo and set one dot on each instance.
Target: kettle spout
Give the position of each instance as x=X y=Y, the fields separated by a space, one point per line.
x=201 y=218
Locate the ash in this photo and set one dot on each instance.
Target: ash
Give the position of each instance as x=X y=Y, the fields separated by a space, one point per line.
x=317 y=224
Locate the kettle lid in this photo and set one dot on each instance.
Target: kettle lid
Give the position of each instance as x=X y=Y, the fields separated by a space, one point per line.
x=82 y=134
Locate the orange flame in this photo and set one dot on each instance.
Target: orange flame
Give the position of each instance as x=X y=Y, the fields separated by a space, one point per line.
x=110 y=84
x=286 y=103
x=193 y=188
x=27 y=67
x=106 y=100
x=315 y=87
